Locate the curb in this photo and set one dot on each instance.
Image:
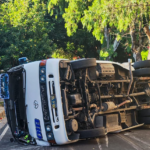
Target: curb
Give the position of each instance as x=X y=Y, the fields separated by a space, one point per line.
x=2 y=113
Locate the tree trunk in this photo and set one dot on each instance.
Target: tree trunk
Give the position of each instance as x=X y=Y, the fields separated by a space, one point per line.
x=138 y=55
x=116 y=44
x=106 y=33
x=147 y=32
x=148 y=57
x=136 y=45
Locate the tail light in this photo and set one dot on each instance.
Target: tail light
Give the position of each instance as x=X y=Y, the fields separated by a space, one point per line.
x=43 y=63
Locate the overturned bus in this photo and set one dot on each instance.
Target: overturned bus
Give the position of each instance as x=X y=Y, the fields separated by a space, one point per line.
x=58 y=101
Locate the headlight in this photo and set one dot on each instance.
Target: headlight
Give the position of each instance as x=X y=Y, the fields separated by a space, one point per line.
x=42 y=78
x=49 y=135
x=44 y=101
x=48 y=128
x=42 y=70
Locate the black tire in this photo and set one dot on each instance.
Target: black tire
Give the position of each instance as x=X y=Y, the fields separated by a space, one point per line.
x=144 y=113
x=142 y=64
x=142 y=72
x=145 y=120
x=91 y=133
x=83 y=63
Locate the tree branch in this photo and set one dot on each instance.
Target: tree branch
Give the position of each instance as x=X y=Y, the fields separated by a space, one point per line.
x=147 y=31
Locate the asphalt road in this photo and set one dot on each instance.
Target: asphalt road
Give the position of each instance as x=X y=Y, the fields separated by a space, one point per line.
x=137 y=139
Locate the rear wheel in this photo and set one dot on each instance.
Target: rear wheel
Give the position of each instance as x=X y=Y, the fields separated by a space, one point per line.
x=144 y=113
x=142 y=64
x=142 y=72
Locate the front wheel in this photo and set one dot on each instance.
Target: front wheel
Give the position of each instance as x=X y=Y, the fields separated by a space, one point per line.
x=83 y=63
x=91 y=133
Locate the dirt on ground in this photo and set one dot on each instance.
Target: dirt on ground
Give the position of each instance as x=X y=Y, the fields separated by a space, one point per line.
x=2 y=112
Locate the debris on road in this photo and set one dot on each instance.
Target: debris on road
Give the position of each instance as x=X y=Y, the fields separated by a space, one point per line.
x=2 y=113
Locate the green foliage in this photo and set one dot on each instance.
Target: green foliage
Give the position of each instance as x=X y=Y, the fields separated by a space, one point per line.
x=144 y=54
x=24 y=32
x=2 y=104
x=60 y=53
x=26 y=29
x=103 y=55
x=82 y=43
x=95 y=15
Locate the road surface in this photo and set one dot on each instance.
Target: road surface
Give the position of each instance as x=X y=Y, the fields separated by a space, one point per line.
x=137 y=139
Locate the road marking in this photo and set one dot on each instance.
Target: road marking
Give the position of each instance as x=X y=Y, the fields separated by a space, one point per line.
x=106 y=140
x=28 y=147
x=145 y=143
x=128 y=141
x=4 y=132
x=99 y=145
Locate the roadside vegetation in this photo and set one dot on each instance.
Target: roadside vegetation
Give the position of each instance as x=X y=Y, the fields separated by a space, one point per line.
x=104 y=29
x=2 y=104
x=116 y=21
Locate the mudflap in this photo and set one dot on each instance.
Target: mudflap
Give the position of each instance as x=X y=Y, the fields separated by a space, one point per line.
x=111 y=122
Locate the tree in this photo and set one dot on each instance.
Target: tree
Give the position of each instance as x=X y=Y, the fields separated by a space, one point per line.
x=24 y=32
x=82 y=43
x=26 y=29
x=130 y=16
